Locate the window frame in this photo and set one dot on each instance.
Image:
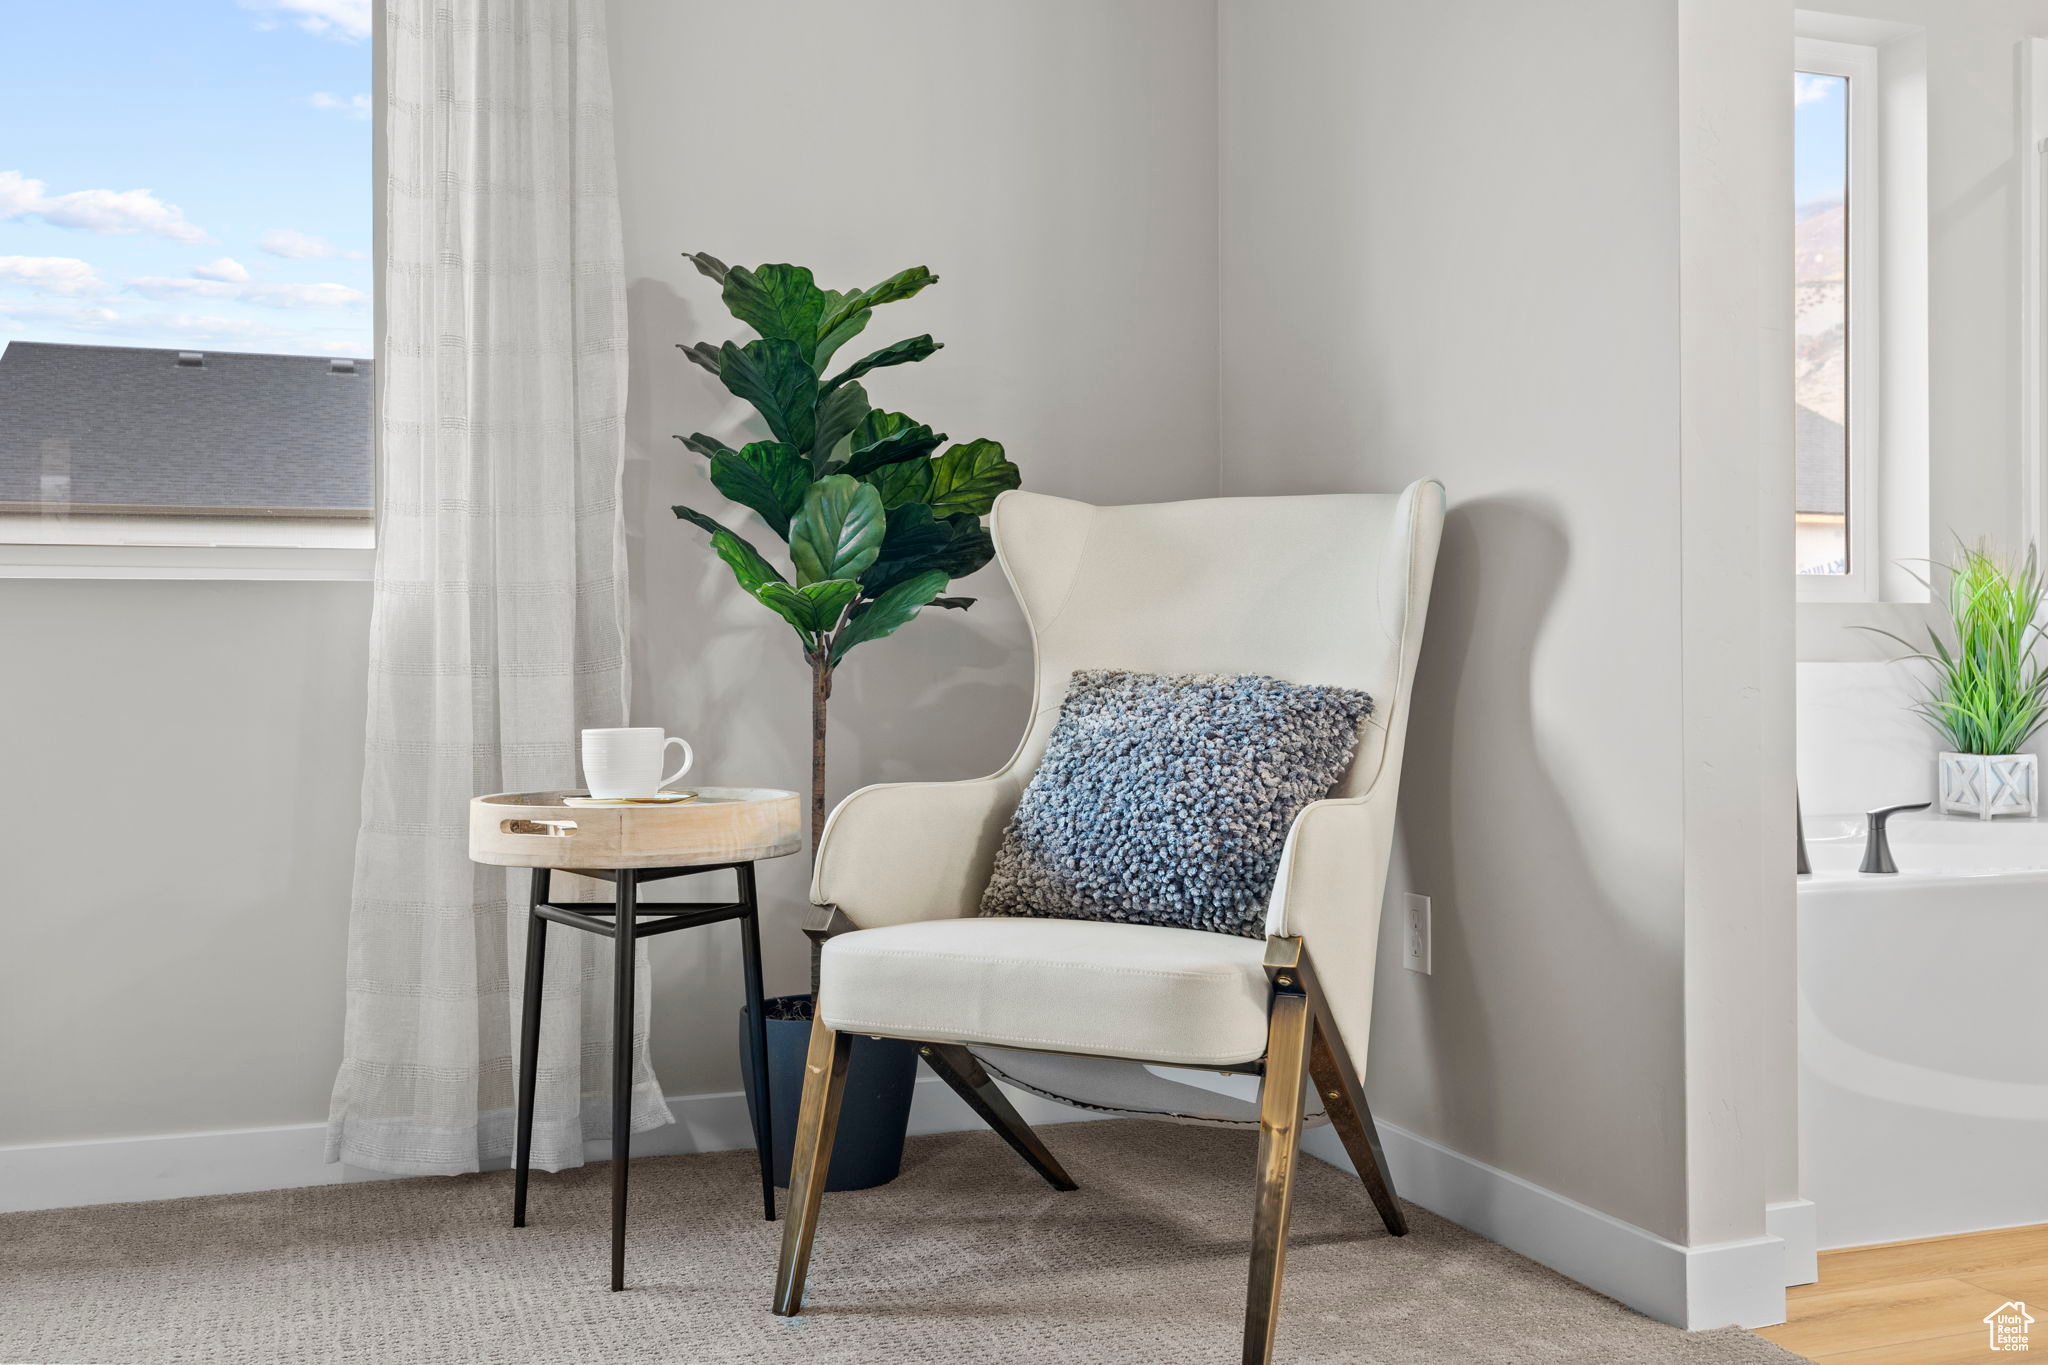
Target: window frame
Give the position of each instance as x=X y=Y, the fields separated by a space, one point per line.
x=1857 y=63
x=276 y=562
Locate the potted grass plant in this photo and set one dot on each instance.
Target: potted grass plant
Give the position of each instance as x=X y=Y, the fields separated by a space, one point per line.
x=875 y=515
x=1989 y=693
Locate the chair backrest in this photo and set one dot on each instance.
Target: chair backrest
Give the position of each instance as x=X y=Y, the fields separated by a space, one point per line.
x=1324 y=589
x=1328 y=588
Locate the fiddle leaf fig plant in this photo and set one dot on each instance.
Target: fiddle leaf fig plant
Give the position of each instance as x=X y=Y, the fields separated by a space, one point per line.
x=877 y=518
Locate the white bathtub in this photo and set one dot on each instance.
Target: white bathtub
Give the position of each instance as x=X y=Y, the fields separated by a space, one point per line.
x=1923 y=1029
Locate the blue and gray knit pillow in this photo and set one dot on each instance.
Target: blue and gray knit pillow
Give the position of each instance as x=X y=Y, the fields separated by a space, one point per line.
x=1167 y=800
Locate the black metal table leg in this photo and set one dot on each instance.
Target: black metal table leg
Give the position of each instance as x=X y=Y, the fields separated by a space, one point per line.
x=620 y=921
x=622 y=1064
x=529 y=1042
x=757 y=1019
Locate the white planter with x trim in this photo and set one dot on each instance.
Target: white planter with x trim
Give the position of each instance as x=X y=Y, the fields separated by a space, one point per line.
x=1986 y=785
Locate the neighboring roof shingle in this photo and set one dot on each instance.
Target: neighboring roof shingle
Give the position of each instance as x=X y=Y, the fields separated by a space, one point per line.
x=124 y=426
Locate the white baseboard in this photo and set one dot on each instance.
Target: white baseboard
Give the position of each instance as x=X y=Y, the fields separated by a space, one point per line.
x=1794 y=1223
x=63 y=1175
x=1698 y=1287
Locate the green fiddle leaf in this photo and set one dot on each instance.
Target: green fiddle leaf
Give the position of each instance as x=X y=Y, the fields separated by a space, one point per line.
x=772 y=375
x=707 y=264
x=740 y=556
x=905 y=481
x=839 y=414
x=705 y=356
x=814 y=608
x=905 y=352
x=845 y=318
x=753 y=572
x=899 y=286
x=912 y=542
x=697 y=519
x=956 y=603
x=706 y=446
x=765 y=475
x=888 y=611
x=967 y=478
x=915 y=542
x=781 y=302
x=968 y=546
x=837 y=533
x=849 y=314
x=885 y=437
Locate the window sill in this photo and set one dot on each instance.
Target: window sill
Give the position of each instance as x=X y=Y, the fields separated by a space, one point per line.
x=1833 y=588
x=275 y=563
x=194 y=548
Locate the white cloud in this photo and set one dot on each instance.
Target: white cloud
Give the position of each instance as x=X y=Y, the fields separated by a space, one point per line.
x=50 y=274
x=355 y=106
x=304 y=295
x=226 y=268
x=264 y=295
x=1808 y=88
x=95 y=210
x=71 y=314
x=301 y=246
x=347 y=20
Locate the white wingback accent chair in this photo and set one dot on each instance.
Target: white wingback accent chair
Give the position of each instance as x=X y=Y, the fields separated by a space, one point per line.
x=1320 y=589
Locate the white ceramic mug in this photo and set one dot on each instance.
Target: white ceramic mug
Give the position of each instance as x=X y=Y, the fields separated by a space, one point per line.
x=627 y=762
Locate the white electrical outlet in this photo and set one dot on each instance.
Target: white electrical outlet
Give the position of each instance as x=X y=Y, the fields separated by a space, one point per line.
x=1417 y=957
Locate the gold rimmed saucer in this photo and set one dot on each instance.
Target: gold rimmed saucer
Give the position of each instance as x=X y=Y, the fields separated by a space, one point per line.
x=658 y=799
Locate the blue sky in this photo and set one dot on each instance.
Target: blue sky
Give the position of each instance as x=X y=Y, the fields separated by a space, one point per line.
x=187 y=173
x=1820 y=140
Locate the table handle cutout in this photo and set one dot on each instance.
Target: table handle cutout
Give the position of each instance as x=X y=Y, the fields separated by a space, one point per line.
x=558 y=829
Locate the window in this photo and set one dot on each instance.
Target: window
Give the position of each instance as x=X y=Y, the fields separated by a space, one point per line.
x=1835 y=414
x=185 y=276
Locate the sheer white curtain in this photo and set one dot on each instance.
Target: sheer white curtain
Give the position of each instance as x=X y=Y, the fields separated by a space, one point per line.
x=498 y=628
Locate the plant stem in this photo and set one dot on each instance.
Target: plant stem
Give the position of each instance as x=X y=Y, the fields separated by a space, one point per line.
x=821 y=697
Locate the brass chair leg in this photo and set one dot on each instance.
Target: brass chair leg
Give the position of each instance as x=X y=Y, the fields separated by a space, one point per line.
x=816 y=1120
x=1344 y=1101
x=1280 y=1114
x=956 y=1066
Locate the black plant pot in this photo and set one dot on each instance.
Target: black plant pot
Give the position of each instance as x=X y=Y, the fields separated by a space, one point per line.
x=868 y=1148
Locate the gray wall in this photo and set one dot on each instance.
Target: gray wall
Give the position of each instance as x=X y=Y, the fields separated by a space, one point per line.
x=1055 y=164
x=182 y=765
x=1452 y=247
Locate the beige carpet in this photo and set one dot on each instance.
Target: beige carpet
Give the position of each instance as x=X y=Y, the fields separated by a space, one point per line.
x=967 y=1257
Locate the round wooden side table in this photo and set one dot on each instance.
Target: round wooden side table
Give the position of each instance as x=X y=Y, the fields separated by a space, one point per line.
x=629 y=846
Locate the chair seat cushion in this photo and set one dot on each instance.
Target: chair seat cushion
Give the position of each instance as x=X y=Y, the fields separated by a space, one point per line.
x=1167 y=800
x=1180 y=996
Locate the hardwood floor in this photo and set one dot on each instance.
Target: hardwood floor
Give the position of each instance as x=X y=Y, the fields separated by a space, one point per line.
x=1916 y=1303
